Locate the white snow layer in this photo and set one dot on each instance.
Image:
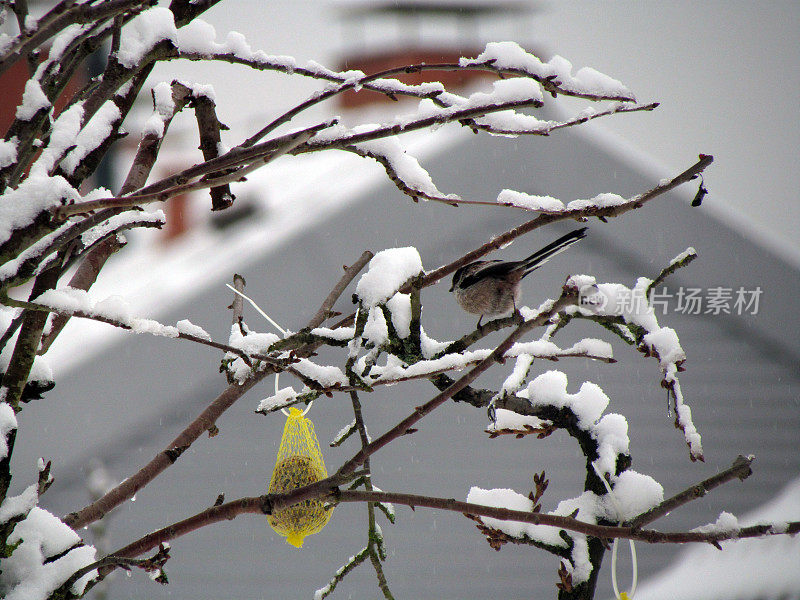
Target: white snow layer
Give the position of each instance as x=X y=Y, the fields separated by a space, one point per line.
x=507 y=419
x=8 y=422
x=30 y=573
x=388 y=270
x=763 y=568
x=550 y=388
x=616 y=299
x=8 y=151
x=92 y=135
x=116 y=309
x=549 y=204
x=19 y=206
x=33 y=100
x=143 y=32
x=510 y=55
x=281 y=398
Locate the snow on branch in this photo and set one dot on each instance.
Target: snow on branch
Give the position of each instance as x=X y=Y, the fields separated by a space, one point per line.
x=601 y=206
x=556 y=74
x=607 y=302
x=505 y=58
x=388 y=270
x=45 y=554
x=680 y=261
x=341 y=573
x=60 y=21
x=403 y=170
x=605 y=443
x=38 y=255
x=19 y=207
x=8 y=423
x=344 y=433
x=115 y=311
x=396 y=371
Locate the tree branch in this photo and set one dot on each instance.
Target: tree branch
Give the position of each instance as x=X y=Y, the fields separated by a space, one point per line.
x=243 y=161
x=739 y=469
x=677 y=263
x=19 y=366
x=209 y=126
x=349 y=274
x=265 y=504
x=159 y=463
x=83 y=279
x=547 y=218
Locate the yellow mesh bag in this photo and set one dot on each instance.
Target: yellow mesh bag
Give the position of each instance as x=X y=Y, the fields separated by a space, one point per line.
x=299 y=463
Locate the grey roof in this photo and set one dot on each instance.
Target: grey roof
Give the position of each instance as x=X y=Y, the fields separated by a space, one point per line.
x=742 y=382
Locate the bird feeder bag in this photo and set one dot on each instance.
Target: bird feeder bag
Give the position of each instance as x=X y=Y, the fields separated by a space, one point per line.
x=299 y=463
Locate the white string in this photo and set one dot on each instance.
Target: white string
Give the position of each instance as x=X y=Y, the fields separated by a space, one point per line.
x=634 y=569
x=276 y=326
x=634 y=562
x=258 y=308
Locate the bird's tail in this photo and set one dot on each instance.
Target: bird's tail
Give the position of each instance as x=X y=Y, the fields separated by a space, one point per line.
x=537 y=259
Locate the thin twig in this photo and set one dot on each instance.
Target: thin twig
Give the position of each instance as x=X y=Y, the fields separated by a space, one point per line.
x=688 y=256
x=739 y=469
x=103 y=565
x=349 y=274
x=237 y=306
x=372 y=529
x=83 y=279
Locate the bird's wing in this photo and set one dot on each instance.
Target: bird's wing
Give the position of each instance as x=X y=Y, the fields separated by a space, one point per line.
x=492 y=268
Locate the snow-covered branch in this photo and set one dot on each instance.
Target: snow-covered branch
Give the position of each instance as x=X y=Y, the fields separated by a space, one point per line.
x=230 y=167
x=583 y=213
x=56 y=21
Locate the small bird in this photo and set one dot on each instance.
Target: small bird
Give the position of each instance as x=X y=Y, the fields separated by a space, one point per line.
x=490 y=288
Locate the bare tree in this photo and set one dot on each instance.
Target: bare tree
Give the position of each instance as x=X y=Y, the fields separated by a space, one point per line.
x=51 y=228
